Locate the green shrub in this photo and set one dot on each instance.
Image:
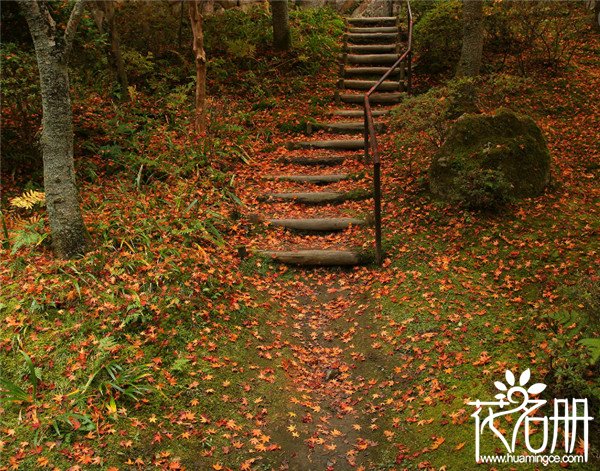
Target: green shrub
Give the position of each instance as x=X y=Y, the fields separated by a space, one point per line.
x=315 y=35
x=21 y=108
x=438 y=36
x=426 y=118
x=421 y=119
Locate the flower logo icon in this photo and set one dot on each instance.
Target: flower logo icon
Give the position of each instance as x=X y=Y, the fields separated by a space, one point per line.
x=512 y=388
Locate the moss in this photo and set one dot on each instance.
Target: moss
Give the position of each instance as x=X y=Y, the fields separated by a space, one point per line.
x=507 y=147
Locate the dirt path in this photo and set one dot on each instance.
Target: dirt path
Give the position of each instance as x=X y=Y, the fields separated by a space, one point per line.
x=326 y=423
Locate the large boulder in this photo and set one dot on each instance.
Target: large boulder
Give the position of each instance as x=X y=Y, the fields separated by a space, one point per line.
x=488 y=160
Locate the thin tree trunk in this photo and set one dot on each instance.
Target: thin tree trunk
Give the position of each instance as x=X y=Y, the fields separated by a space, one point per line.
x=104 y=16
x=282 y=38
x=596 y=18
x=115 y=49
x=469 y=64
x=69 y=235
x=200 y=55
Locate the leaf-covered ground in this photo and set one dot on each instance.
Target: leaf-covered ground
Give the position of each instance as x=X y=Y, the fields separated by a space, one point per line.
x=241 y=364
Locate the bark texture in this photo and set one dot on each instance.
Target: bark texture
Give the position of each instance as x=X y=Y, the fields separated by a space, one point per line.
x=104 y=16
x=195 y=13
x=469 y=64
x=52 y=48
x=282 y=38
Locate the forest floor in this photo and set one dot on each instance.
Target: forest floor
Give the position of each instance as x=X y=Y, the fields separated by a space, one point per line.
x=253 y=365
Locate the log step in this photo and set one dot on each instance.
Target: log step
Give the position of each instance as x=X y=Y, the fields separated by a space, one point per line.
x=317 y=179
x=374 y=29
x=323 y=258
x=325 y=160
x=358 y=113
x=387 y=86
x=361 y=38
x=371 y=48
x=375 y=71
x=345 y=144
x=381 y=98
x=317 y=224
x=344 y=127
x=371 y=58
x=372 y=20
x=319 y=197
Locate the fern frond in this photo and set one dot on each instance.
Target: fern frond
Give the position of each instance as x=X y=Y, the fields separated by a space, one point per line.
x=28 y=199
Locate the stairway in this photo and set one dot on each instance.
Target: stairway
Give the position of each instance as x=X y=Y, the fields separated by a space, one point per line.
x=370 y=46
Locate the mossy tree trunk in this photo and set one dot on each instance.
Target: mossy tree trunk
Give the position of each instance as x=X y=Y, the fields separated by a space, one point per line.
x=282 y=38
x=195 y=13
x=52 y=49
x=469 y=64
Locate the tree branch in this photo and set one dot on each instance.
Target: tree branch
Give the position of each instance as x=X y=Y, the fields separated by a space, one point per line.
x=72 y=24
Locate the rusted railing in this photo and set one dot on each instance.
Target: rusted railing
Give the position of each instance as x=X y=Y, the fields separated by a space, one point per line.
x=370 y=137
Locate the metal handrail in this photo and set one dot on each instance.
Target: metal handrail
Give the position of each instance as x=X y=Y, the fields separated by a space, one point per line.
x=371 y=138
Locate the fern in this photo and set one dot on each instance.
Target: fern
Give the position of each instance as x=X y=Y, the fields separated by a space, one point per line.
x=106 y=344
x=28 y=199
x=30 y=235
x=593 y=346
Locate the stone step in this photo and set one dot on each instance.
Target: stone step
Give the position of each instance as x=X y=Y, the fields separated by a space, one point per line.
x=371 y=58
x=335 y=144
x=317 y=224
x=358 y=113
x=323 y=258
x=316 y=179
x=371 y=48
x=374 y=29
x=372 y=71
x=372 y=20
x=361 y=38
x=387 y=86
x=319 y=197
x=376 y=98
x=324 y=160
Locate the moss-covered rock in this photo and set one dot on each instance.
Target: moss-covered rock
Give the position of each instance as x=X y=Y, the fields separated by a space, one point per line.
x=488 y=160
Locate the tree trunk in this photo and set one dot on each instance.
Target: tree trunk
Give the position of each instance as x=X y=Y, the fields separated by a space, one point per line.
x=282 y=38
x=115 y=59
x=596 y=19
x=105 y=15
x=469 y=64
x=200 y=55
x=69 y=235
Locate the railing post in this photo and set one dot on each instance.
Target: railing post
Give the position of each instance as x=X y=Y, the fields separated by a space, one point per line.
x=366 y=134
x=409 y=57
x=377 y=211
